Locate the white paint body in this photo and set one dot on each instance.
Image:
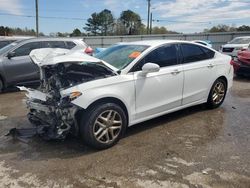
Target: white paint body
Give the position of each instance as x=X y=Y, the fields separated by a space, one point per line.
x=150 y=95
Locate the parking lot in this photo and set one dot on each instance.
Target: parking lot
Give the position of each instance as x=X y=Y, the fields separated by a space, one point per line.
x=194 y=147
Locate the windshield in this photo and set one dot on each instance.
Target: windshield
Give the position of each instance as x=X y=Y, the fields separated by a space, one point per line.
x=240 y=41
x=120 y=56
x=8 y=47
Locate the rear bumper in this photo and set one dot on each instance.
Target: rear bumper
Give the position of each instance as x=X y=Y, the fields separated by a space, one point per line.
x=241 y=69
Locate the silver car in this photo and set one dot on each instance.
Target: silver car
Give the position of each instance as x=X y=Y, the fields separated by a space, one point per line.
x=234 y=46
x=16 y=66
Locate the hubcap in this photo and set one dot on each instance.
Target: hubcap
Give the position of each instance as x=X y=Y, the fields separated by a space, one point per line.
x=107 y=126
x=218 y=92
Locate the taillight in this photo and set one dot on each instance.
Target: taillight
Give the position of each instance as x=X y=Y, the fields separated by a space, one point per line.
x=89 y=50
x=232 y=62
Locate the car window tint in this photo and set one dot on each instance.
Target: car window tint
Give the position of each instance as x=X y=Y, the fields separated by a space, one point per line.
x=70 y=44
x=163 y=56
x=4 y=43
x=192 y=53
x=209 y=53
x=54 y=44
x=27 y=48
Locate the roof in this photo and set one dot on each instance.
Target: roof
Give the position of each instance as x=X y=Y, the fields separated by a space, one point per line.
x=154 y=42
x=54 y=39
x=243 y=37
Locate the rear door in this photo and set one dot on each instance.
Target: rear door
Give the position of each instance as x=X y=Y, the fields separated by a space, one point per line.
x=20 y=68
x=199 y=72
x=159 y=91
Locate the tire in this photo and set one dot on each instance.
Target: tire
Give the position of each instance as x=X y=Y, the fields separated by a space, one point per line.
x=217 y=94
x=1 y=86
x=99 y=130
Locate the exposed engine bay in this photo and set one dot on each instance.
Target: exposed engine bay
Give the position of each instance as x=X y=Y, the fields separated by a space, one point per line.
x=52 y=114
x=56 y=114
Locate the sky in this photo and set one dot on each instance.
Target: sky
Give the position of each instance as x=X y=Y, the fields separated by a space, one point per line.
x=186 y=16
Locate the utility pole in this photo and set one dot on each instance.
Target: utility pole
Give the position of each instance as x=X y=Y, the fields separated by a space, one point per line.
x=148 y=16
x=151 y=20
x=37 y=29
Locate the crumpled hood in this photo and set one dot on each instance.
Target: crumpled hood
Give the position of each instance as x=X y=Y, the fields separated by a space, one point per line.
x=52 y=56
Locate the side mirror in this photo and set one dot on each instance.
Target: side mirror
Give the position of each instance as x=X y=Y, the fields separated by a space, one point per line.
x=150 y=67
x=11 y=54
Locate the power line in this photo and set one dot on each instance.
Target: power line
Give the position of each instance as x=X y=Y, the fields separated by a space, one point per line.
x=43 y=17
x=176 y=21
x=82 y=19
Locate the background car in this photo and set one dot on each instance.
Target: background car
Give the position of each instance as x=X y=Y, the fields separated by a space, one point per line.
x=242 y=63
x=99 y=97
x=4 y=41
x=207 y=43
x=16 y=66
x=234 y=46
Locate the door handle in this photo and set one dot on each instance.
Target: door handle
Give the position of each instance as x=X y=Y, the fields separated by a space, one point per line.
x=210 y=66
x=176 y=71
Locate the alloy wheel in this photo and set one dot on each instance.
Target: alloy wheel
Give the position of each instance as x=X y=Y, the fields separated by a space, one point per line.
x=107 y=126
x=218 y=92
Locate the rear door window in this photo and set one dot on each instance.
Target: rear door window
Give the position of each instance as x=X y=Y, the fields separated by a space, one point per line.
x=54 y=44
x=193 y=53
x=70 y=44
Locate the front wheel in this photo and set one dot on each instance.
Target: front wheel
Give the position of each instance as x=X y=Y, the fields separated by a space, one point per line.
x=217 y=94
x=103 y=125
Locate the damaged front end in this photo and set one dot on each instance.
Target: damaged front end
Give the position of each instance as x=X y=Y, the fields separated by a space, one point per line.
x=54 y=119
x=52 y=114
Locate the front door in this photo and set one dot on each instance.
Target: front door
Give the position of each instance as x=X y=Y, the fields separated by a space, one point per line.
x=20 y=68
x=160 y=91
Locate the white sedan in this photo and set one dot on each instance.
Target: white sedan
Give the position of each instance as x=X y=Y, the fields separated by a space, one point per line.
x=99 y=97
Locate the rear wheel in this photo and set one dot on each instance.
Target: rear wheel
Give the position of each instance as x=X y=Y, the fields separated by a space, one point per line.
x=103 y=125
x=217 y=93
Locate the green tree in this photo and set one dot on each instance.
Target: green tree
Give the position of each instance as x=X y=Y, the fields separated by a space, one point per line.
x=93 y=24
x=106 y=22
x=221 y=28
x=243 y=28
x=76 y=33
x=101 y=23
x=5 y=31
x=132 y=22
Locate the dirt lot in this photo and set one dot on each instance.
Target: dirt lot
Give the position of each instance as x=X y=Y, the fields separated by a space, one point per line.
x=191 y=148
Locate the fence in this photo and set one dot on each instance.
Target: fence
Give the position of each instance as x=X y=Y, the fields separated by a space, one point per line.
x=217 y=39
